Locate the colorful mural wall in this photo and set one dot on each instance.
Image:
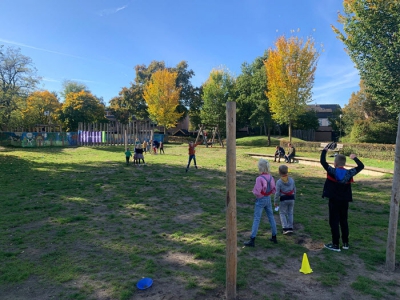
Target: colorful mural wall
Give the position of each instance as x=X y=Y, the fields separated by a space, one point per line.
x=38 y=139
x=65 y=139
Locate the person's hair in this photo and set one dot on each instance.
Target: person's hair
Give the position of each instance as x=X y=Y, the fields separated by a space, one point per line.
x=283 y=169
x=263 y=165
x=340 y=160
x=277 y=147
x=127 y=149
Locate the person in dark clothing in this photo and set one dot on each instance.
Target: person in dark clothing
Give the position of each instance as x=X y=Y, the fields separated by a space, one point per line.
x=337 y=189
x=279 y=153
x=291 y=152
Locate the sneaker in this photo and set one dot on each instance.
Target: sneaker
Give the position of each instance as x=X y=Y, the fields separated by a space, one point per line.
x=285 y=231
x=187 y=170
x=345 y=246
x=289 y=230
x=332 y=247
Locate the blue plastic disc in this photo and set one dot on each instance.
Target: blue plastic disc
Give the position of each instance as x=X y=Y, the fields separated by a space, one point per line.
x=144 y=283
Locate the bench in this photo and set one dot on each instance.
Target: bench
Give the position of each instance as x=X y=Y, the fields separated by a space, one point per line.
x=338 y=149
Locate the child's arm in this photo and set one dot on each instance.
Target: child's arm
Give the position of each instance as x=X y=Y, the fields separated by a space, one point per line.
x=277 y=193
x=322 y=159
x=360 y=165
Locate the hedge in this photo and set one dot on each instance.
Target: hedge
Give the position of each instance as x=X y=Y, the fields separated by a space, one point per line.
x=366 y=150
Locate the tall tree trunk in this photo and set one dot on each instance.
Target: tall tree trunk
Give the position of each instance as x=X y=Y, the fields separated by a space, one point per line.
x=269 y=135
x=394 y=208
x=290 y=131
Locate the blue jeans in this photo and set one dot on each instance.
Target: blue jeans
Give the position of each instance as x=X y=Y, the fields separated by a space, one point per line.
x=263 y=203
x=286 y=213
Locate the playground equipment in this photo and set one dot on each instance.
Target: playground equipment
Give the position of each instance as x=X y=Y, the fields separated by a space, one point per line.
x=215 y=135
x=114 y=133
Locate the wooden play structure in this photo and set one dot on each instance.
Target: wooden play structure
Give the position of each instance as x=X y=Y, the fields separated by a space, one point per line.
x=114 y=133
x=215 y=137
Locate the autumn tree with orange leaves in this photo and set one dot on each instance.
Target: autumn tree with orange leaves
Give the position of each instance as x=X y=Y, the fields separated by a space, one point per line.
x=42 y=107
x=162 y=98
x=290 y=69
x=81 y=107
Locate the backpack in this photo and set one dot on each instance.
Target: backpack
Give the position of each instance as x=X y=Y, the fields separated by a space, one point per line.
x=268 y=190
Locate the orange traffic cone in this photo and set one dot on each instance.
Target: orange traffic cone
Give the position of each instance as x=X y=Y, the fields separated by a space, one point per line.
x=305 y=265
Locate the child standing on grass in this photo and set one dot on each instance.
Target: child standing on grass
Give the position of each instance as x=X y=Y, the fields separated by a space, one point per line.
x=337 y=189
x=284 y=198
x=264 y=187
x=192 y=154
x=128 y=155
x=161 y=148
x=145 y=146
x=139 y=154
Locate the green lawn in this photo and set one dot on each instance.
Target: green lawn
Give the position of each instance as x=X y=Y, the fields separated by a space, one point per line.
x=77 y=223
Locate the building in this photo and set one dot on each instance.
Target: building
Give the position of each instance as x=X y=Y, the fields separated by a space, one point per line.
x=325 y=132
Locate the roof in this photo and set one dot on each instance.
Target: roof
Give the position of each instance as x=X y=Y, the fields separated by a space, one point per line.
x=324 y=110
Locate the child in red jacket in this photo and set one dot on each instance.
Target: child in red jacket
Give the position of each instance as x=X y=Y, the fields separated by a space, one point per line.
x=192 y=154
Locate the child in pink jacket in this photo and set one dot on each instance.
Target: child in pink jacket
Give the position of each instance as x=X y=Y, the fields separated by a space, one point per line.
x=264 y=187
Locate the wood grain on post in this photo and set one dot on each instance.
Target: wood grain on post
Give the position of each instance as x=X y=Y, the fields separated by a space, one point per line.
x=394 y=208
x=231 y=232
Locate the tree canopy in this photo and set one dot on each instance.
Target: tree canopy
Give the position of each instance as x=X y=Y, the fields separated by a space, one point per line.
x=162 y=98
x=42 y=107
x=18 y=77
x=252 y=101
x=217 y=90
x=371 y=35
x=81 y=107
x=290 y=69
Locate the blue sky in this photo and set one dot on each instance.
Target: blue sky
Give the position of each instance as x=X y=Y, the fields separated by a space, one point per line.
x=99 y=42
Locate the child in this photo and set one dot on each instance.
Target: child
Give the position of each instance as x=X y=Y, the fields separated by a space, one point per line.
x=192 y=154
x=139 y=154
x=279 y=153
x=284 y=198
x=145 y=146
x=155 y=146
x=264 y=187
x=161 y=148
x=337 y=189
x=128 y=155
x=135 y=156
x=290 y=154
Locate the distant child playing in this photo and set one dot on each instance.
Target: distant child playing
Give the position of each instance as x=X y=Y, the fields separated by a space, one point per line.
x=139 y=154
x=337 y=189
x=128 y=155
x=264 y=187
x=192 y=154
x=284 y=198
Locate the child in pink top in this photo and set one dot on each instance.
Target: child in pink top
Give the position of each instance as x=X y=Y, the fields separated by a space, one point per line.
x=264 y=187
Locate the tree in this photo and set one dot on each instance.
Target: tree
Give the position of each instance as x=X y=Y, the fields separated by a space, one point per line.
x=81 y=107
x=307 y=120
x=162 y=98
x=290 y=71
x=70 y=86
x=130 y=102
x=217 y=90
x=252 y=102
x=363 y=118
x=42 y=107
x=17 y=78
x=371 y=35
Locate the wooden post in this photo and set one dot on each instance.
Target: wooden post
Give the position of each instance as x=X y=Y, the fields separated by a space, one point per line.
x=394 y=208
x=231 y=231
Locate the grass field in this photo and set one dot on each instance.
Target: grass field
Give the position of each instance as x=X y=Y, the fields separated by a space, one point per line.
x=77 y=223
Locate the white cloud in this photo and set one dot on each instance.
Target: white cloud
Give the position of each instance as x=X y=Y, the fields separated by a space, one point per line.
x=110 y=11
x=36 y=48
x=50 y=79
